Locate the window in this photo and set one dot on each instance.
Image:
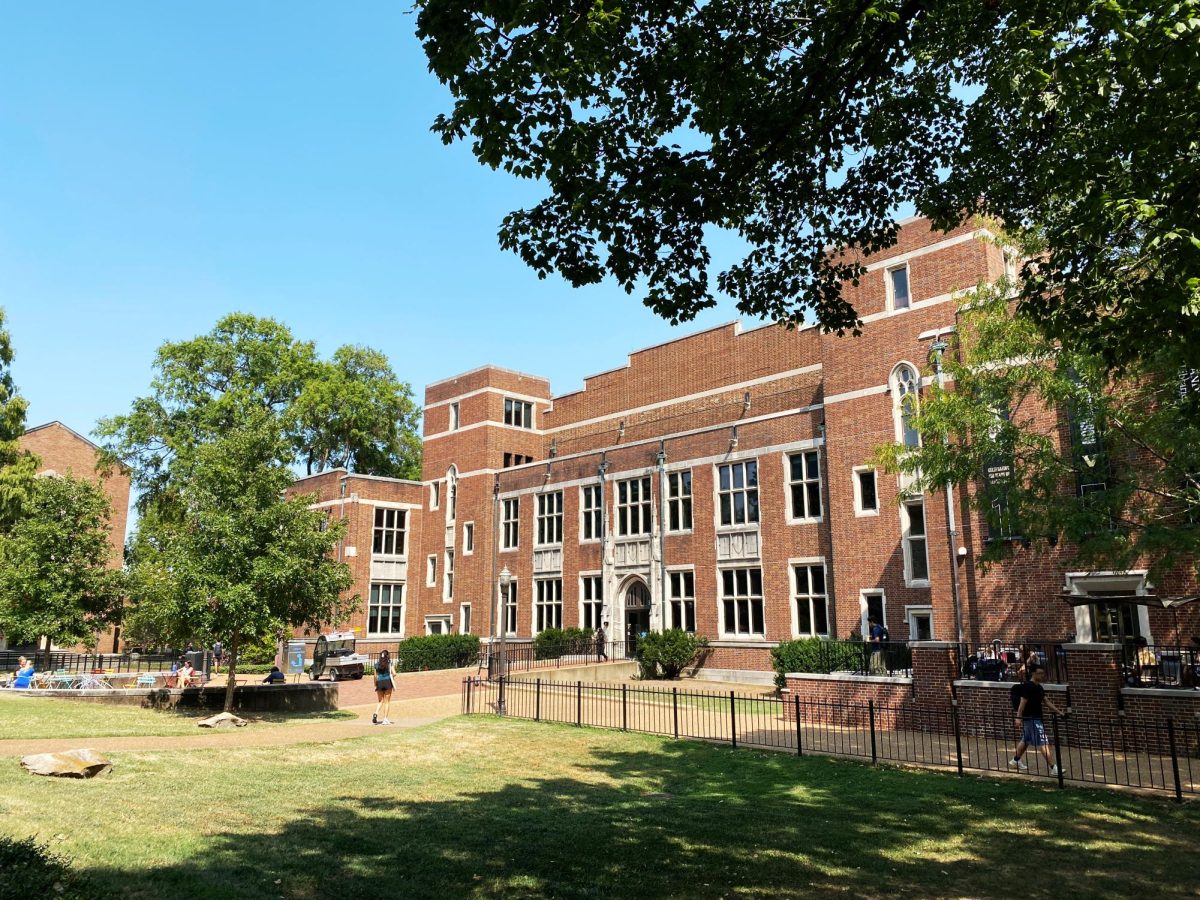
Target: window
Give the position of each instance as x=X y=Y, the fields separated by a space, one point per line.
x=437 y=624
x=448 y=587
x=905 y=399
x=518 y=413
x=591 y=528
x=679 y=501
x=916 y=559
x=742 y=602
x=454 y=417
x=866 y=495
x=509 y=520
x=388 y=538
x=804 y=473
x=451 y=495
x=737 y=493
x=897 y=279
x=468 y=538
x=464 y=619
x=385 y=609
x=812 y=603
x=516 y=459
x=873 y=606
x=547 y=606
x=435 y=495
x=633 y=506
x=591 y=601
x=431 y=570
x=920 y=623
x=550 y=518
x=683 y=600
x=509 y=598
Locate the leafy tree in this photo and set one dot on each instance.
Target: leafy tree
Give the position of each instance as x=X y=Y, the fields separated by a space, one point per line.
x=55 y=579
x=802 y=126
x=671 y=651
x=359 y=416
x=17 y=467
x=1060 y=450
x=226 y=555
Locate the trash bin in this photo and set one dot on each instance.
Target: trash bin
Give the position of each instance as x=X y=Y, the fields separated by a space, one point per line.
x=197 y=659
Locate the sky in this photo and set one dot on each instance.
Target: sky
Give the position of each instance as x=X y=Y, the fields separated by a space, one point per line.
x=163 y=164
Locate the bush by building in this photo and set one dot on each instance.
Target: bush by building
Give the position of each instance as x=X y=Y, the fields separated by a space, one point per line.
x=436 y=651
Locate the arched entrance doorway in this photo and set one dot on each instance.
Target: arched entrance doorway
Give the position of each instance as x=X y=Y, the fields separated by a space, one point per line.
x=637 y=612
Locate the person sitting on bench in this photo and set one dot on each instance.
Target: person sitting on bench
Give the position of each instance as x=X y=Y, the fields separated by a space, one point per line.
x=275 y=676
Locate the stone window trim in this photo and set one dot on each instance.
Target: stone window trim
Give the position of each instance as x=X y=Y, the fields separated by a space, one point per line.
x=915 y=611
x=808 y=488
x=857 y=474
x=591 y=599
x=548 y=520
x=898 y=285
x=468 y=538
x=811 y=595
x=681 y=600
x=510 y=524
x=743 y=605
x=680 y=502
x=388 y=536
x=734 y=481
x=384 y=598
x=591 y=513
x=915 y=540
x=547 y=604
x=431 y=570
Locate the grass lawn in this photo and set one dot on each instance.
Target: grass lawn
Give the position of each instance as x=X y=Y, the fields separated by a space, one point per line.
x=481 y=807
x=30 y=716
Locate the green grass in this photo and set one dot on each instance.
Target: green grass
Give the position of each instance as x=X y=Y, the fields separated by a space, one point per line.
x=481 y=807
x=30 y=716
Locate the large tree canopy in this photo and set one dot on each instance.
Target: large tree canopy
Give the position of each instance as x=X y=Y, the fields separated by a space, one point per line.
x=17 y=467
x=803 y=126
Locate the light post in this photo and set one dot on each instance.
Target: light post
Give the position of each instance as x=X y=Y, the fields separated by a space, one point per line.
x=505 y=582
x=939 y=347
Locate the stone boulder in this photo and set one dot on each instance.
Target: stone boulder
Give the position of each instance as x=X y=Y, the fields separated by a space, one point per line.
x=68 y=764
x=222 y=720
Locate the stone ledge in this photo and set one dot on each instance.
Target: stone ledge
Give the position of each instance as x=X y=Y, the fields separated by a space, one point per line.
x=1091 y=646
x=846 y=676
x=931 y=645
x=1002 y=685
x=1171 y=693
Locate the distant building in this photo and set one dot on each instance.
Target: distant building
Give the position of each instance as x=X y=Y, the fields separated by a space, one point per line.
x=719 y=482
x=66 y=452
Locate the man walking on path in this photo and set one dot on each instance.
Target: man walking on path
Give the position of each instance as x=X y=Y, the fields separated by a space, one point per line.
x=877 y=635
x=1029 y=719
x=601 y=652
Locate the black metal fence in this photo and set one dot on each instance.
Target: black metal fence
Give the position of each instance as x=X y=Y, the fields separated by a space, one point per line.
x=1159 y=665
x=1159 y=757
x=1005 y=660
x=82 y=663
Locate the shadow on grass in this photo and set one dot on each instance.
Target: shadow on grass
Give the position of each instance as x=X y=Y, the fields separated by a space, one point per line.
x=690 y=820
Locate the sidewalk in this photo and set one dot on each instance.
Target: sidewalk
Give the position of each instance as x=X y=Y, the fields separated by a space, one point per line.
x=409 y=685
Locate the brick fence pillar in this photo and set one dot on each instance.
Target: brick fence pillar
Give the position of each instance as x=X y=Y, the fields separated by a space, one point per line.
x=935 y=667
x=1094 y=680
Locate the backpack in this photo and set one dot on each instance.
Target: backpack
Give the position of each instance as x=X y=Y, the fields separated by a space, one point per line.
x=883 y=634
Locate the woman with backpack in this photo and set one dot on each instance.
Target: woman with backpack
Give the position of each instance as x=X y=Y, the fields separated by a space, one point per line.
x=384 y=683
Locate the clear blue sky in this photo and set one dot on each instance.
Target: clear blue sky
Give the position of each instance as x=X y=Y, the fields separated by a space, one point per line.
x=162 y=164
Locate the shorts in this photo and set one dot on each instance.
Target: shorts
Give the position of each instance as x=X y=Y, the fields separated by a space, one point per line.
x=383 y=685
x=1033 y=732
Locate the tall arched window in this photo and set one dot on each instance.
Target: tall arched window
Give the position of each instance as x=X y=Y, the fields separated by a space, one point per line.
x=451 y=494
x=906 y=389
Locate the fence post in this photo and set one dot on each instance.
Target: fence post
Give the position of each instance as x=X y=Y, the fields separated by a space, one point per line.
x=537 y=700
x=675 y=710
x=1058 y=752
x=799 y=742
x=732 y=720
x=1174 y=759
x=579 y=703
x=871 y=717
x=500 y=700
x=624 y=707
x=957 y=735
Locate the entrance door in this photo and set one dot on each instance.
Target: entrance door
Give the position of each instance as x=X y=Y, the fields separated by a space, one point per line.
x=637 y=614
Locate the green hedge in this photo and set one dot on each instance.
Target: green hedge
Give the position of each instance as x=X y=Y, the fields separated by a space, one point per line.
x=816 y=655
x=436 y=651
x=666 y=653
x=555 y=642
x=30 y=870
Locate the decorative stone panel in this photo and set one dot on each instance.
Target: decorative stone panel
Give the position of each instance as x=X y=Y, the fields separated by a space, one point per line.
x=549 y=559
x=389 y=570
x=738 y=545
x=631 y=554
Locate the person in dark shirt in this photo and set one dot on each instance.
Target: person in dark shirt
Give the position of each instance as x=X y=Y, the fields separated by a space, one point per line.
x=275 y=676
x=1029 y=719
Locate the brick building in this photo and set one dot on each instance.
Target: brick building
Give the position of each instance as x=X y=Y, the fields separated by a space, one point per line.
x=63 y=451
x=719 y=482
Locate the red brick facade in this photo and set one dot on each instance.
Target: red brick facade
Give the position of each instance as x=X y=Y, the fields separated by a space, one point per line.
x=705 y=406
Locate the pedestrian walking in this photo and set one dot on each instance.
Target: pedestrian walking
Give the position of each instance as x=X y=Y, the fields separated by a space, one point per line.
x=878 y=635
x=384 y=683
x=601 y=650
x=1029 y=718
x=218 y=652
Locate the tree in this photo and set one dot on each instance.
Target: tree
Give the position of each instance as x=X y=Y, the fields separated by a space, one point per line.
x=55 y=578
x=1061 y=451
x=803 y=126
x=349 y=411
x=229 y=556
x=17 y=467
x=357 y=415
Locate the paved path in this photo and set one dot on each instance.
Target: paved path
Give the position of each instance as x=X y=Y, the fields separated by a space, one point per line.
x=409 y=685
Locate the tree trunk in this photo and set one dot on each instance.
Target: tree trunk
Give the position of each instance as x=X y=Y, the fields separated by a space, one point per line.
x=231 y=671
x=46 y=666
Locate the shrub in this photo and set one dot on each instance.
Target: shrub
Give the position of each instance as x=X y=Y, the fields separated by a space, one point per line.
x=552 y=643
x=29 y=870
x=815 y=655
x=668 y=651
x=436 y=651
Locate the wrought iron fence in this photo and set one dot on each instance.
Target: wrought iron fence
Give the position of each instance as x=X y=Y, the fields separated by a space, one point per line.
x=1006 y=660
x=1159 y=665
x=1163 y=756
x=77 y=663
